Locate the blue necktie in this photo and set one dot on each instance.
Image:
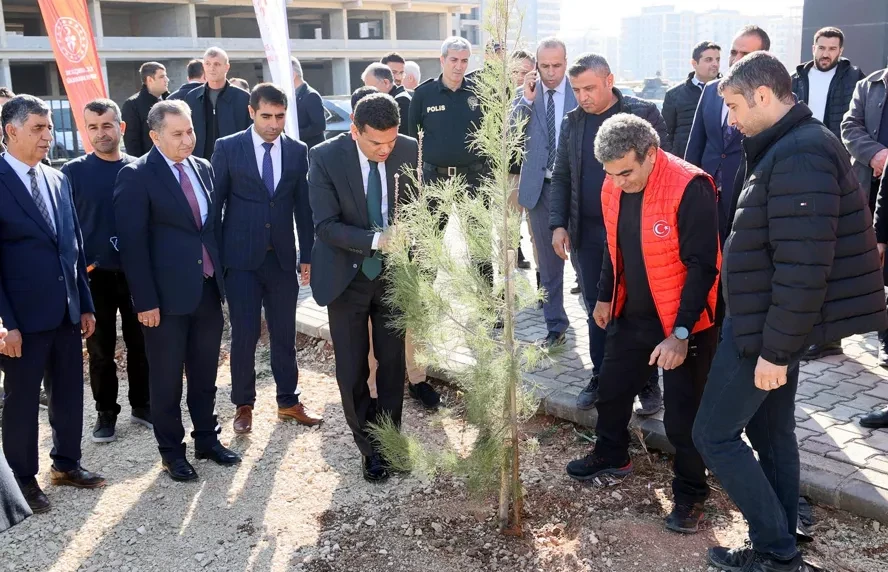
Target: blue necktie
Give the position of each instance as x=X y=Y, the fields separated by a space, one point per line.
x=550 y=128
x=372 y=267
x=268 y=169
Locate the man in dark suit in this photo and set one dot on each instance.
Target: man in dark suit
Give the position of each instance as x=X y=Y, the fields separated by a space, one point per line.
x=381 y=77
x=261 y=184
x=309 y=109
x=196 y=78
x=167 y=224
x=45 y=303
x=217 y=107
x=714 y=144
x=155 y=84
x=352 y=190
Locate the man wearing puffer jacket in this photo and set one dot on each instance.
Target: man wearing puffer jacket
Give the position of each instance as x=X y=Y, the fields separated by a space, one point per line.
x=800 y=267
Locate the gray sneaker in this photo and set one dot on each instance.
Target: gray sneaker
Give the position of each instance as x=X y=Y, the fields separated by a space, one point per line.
x=650 y=398
x=587 y=398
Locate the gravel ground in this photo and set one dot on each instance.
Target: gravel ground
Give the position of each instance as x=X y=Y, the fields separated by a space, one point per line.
x=298 y=502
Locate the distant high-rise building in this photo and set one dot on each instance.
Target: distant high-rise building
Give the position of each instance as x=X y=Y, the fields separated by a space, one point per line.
x=537 y=19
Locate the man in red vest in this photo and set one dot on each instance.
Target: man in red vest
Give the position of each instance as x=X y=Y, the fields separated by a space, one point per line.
x=657 y=302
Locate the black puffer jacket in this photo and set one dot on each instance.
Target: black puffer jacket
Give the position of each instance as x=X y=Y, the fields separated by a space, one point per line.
x=564 y=210
x=679 y=107
x=800 y=265
x=841 y=90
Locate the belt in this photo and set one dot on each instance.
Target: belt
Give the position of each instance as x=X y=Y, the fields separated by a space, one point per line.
x=453 y=171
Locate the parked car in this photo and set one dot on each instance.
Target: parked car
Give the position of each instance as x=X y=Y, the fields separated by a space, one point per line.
x=337 y=109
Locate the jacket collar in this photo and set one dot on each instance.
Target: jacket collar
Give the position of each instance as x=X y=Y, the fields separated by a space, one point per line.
x=841 y=67
x=222 y=94
x=757 y=145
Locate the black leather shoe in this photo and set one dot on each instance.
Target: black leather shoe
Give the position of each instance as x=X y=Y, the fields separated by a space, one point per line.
x=875 y=420
x=589 y=396
x=748 y=560
x=180 y=470
x=374 y=468
x=523 y=263
x=79 y=478
x=34 y=495
x=552 y=340
x=685 y=517
x=219 y=454
x=425 y=394
x=820 y=351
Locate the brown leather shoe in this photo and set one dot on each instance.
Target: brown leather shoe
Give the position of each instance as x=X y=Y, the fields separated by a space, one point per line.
x=300 y=414
x=80 y=478
x=243 y=419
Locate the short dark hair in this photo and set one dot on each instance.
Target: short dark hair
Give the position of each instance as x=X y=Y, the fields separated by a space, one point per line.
x=522 y=55
x=830 y=32
x=753 y=30
x=392 y=57
x=361 y=93
x=702 y=47
x=269 y=93
x=377 y=110
x=758 y=69
x=101 y=106
x=194 y=69
x=589 y=61
x=6 y=92
x=148 y=69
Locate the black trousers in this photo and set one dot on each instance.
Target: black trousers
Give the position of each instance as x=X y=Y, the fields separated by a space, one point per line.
x=625 y=372
x=473 y=180
x=111 y=294
x=56 y=357
x=363 y=300
x=191 y=342
x=247 y=291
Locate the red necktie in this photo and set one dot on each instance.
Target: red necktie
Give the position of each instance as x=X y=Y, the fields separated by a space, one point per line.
x=188 y=189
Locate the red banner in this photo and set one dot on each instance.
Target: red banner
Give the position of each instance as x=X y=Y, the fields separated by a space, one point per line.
x=70 y=32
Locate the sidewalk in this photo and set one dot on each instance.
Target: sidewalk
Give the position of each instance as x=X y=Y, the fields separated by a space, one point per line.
x=843 y=464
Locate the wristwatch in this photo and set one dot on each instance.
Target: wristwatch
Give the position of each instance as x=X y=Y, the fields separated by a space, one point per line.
x=681 y=333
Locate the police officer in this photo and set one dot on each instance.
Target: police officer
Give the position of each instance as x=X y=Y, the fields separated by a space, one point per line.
x=447 y=111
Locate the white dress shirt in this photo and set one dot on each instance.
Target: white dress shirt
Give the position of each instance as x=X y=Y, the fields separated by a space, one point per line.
x=195 y=183
x=275 y=155
x=696 y=81
x=365 y=175
x=818 y=89
x=558 y=98
x=21 y=169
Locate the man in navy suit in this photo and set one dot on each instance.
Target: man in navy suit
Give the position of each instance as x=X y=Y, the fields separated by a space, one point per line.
x=261 y=184
x=167 y=229
x=44 y=302
x=714 y=144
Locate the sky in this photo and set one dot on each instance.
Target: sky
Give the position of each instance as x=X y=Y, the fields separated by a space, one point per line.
x=606 y=14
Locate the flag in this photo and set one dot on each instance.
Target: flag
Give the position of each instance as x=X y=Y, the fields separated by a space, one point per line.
x=272 y=18
x=70 y=33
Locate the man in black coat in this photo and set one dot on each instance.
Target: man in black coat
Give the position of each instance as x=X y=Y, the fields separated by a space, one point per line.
x=196 y=78
x=826 y=83
x=800 y=266
x=575 y=210
x=380 y=76
x=680 y=103
x=167 y=223
x=135 y=109
x=218 y=108
x=352 y=190
x=309 y=109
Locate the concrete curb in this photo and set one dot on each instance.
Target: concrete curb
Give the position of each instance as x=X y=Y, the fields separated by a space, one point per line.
x=826 y=481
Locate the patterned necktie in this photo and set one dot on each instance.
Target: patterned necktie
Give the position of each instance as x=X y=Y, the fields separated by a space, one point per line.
x=41 y=204
x=550 y=126
x=268 y=169
x=188 y=189
x=372 y=267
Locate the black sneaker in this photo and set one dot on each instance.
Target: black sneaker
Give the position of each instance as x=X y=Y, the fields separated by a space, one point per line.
x=142 y=416
x=425 y=394
x=650 y=398
x=590 y=466
x=685 y=518
x=104 y=430
x=820 y=351
x=589 y=396
x=373 y=468
x=523 y=263
x=576 y=288
x=748 y=560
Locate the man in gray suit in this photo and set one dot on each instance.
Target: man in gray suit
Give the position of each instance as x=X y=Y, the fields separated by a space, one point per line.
x=543 y=100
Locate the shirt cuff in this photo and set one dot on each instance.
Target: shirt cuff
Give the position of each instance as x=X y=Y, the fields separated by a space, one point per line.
x=526 y=101
x=375 y=244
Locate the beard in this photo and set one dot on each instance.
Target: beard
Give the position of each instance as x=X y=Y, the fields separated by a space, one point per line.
x=829 y=66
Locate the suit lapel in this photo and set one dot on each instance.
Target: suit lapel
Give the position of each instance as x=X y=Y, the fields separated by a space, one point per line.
x=539 y=106
x=172 y=185
x=250 y=154
x=392 y=165
x=355 y=179
x=22 y=196
x=286 y=159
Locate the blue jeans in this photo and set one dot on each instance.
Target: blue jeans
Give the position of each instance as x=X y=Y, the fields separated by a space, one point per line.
x=766 y=491
x=588 y=257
